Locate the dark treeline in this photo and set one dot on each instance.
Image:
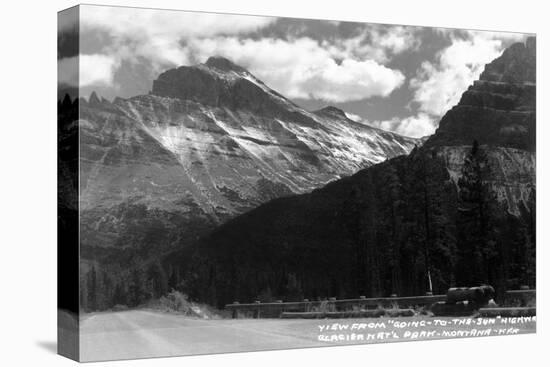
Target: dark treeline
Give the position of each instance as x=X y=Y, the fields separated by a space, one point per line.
x=102 y=288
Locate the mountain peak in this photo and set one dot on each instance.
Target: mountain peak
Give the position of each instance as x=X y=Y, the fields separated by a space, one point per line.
x=94 y=99
x=220 y=83
x=223 y=64
x=331 y=111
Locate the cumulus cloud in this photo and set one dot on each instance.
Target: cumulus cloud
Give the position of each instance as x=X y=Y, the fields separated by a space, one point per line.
x=97 y=69
x=415 y=126
x=302 y=68
x=87 y=70
x=349 y=81
x=438 y=85
x=158 y=35
x=376 y=42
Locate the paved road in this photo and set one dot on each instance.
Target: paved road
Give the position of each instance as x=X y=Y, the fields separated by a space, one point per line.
x=142 y=334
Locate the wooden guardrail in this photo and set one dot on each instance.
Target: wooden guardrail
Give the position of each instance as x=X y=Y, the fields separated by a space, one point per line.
x=275 y=309
x=521 y=297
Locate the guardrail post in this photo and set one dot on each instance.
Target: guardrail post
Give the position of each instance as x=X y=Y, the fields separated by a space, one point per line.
x=306 y=305
x=257 y=310
x=394 y=303
x=235 y=313
x=331 y=304
x=363 y=305
x=281 y=308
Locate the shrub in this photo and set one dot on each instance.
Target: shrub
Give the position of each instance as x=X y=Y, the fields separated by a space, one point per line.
x=117 y=308
x=178 y=302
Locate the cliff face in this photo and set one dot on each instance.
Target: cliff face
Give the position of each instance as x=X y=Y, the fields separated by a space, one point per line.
x=460 y=208
x=511 y=173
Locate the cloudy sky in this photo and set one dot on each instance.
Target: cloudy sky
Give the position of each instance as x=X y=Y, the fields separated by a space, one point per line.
x=399 y=78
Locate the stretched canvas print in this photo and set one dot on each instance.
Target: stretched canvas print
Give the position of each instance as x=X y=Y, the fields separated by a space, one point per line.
x=233 y=183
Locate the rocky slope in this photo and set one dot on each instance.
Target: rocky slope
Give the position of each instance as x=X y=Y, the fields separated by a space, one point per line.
x=457 y=211
x=209 y=142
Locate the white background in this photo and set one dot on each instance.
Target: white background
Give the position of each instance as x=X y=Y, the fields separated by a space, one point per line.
x=28 y=181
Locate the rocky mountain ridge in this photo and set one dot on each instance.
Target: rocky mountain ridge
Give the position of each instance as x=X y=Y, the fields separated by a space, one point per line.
x=209 y=142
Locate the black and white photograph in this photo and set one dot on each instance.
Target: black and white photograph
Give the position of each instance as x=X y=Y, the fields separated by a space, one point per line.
x=274 y=183
x=234 y=183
